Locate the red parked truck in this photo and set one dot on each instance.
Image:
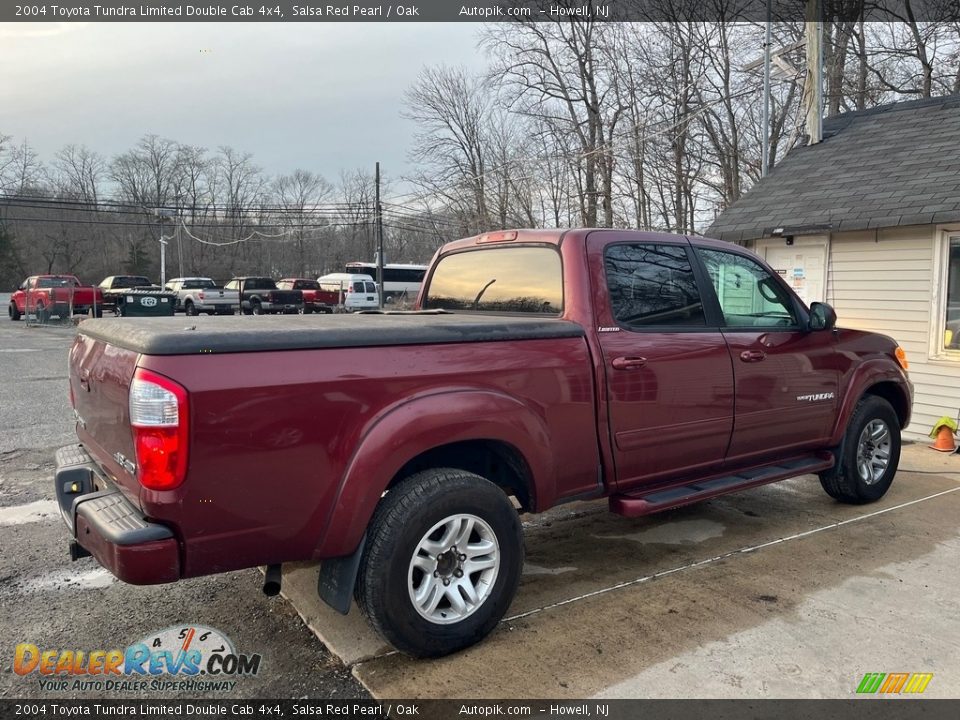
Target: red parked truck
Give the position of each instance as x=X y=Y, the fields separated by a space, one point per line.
x=46 y=295
x=550 y=366
x=315 y=298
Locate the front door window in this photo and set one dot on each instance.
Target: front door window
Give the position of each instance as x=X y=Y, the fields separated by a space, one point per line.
x=749 y=295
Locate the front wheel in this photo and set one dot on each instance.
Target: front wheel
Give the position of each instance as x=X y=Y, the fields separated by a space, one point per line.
x=442 y=562
x=870 y=454
x=13 y=312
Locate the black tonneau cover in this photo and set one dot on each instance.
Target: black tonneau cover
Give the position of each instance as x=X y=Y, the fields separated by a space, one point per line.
x=202 y=335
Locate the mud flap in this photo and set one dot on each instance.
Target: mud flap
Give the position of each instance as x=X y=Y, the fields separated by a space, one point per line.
x=338 y=577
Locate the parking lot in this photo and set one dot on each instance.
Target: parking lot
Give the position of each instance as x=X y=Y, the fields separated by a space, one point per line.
x=773 y=592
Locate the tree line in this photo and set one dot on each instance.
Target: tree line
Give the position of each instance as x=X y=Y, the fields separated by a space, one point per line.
x=653 y=125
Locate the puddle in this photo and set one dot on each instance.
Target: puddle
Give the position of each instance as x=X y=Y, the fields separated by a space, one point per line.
x=682 y=532
x=531 y=569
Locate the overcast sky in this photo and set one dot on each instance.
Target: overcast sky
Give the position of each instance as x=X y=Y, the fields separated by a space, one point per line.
x=321 y=96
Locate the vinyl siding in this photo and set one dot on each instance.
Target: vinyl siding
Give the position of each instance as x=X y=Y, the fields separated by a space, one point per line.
x=884 y=282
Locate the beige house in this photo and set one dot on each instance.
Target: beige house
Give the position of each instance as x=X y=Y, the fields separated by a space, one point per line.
x=869 y=221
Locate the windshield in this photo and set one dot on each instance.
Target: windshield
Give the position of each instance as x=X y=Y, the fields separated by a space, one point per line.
x=510 y=279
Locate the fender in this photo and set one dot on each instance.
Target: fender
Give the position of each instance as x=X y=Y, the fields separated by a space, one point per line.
x=865 y=375
x=403 y=431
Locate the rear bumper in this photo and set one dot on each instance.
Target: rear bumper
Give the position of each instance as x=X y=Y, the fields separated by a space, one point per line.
x=275 y=307
x=105 y=524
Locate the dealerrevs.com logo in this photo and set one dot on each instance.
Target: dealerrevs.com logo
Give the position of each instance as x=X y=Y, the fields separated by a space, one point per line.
x=179 y=658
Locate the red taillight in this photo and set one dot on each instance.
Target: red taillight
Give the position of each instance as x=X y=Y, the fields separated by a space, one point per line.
x=200 y=295
x=159 y=418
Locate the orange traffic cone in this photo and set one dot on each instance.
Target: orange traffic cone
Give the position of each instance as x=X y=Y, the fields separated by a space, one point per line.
x=944 y=441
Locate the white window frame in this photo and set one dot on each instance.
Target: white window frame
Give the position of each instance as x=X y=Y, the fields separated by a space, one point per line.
x=941 y=269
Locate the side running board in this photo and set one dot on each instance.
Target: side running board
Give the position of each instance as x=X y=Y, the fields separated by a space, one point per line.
x=653 y=500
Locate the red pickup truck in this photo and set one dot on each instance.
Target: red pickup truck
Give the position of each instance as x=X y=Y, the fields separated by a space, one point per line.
x=547 y=366
x=315 y=298
x=46 y=295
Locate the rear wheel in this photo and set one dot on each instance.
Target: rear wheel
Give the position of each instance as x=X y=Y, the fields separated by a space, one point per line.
x=190 y=309
x=42 y=314
x=442 y=562
x=13 y=312
x=256 y=308
x=870 y=454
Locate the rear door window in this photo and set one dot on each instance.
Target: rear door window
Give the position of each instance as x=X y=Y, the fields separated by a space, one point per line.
x=371 y=287
x=652 y=286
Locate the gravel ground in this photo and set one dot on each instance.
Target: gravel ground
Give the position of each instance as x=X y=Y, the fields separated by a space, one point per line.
x=50 y=602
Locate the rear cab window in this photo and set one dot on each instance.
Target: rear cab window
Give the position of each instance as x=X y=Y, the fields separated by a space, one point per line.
x=517 y=279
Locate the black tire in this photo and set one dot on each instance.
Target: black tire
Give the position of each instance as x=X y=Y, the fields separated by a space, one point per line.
x=256 y=308
x=42 y=314
x=402 y=520
x=190 y=309
x=847 y=481
x=13 y=312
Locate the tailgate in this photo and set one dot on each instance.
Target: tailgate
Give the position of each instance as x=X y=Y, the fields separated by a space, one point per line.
x=286 y=297
x=219 y=296
x=100 y=376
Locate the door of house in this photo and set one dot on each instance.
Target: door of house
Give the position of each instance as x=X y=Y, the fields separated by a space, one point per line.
x=802 y=266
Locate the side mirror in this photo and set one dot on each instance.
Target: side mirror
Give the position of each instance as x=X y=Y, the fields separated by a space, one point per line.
x=822 y=316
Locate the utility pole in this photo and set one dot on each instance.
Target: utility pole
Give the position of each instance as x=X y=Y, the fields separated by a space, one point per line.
x=765 y=157
x=161 y=213
x=379 y=216
x=813 y=87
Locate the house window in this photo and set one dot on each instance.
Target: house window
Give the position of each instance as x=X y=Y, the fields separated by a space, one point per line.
x=951 y=318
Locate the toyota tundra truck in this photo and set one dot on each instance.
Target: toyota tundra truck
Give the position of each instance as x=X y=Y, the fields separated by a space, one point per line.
x=540 y=367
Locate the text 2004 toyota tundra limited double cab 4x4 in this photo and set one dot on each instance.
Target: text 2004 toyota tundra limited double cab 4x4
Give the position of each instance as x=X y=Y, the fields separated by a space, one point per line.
x=549 y=366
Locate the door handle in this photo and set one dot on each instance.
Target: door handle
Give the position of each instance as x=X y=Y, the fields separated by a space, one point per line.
x=752 y=355
x=628 y=363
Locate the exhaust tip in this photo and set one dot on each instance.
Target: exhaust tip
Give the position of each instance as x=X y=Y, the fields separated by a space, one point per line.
x=271 y=581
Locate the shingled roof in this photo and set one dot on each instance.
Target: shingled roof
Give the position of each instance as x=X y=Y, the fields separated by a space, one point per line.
x=891 y=165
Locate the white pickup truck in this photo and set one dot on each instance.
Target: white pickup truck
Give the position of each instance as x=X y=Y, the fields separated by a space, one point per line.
x=197 y=295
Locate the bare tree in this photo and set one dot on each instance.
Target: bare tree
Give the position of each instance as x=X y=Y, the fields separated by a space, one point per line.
x=556 y=72
x=301 y=193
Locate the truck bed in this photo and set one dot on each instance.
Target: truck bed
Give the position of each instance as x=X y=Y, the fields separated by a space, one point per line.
x=199 y=335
